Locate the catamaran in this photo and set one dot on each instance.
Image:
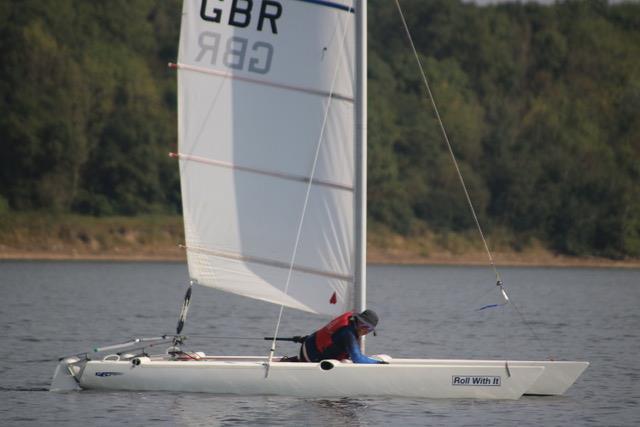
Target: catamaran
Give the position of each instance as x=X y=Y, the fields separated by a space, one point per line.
x=272 y=156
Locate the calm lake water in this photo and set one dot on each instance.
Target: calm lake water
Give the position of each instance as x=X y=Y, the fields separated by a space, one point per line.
x=51 y=309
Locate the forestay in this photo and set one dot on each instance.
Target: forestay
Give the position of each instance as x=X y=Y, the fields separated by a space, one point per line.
x=255 y=81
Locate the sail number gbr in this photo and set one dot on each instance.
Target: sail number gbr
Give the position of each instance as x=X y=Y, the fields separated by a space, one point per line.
x=238 y=53
x=235 y=52
x=241 y=12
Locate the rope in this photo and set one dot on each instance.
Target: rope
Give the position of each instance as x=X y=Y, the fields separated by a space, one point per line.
x=183 y=311
x=306 y=199
x=446 y=138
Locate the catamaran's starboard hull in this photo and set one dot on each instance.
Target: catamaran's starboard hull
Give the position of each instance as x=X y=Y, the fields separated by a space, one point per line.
x=555 y=380
x=246 y=376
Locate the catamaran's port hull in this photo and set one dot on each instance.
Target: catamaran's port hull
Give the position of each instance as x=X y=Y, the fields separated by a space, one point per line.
x=402 y=377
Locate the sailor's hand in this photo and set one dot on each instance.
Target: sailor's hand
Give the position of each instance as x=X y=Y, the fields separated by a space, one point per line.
x=384 y=359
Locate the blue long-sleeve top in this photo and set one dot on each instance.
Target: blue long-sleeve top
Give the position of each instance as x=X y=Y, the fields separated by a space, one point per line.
x=345 y=340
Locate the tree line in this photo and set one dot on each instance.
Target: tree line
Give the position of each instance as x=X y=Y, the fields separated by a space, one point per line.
x=541 y=103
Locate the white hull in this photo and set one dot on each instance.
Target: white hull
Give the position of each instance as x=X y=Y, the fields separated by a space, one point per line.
x=425 y=378
x=555 y=380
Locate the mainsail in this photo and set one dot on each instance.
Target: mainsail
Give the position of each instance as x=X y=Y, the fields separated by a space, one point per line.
x=266 y=92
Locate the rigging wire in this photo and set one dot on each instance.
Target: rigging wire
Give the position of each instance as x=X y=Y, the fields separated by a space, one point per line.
x=528 y=325
x=462 y=182
x=446 y=139
x=307 y=193
x=210 y=337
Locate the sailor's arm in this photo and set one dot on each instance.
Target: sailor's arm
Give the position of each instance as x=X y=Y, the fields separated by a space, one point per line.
x=353 y=348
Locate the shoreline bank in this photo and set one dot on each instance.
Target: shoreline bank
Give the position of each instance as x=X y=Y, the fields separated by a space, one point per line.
x=375 y=258
x=156 y=238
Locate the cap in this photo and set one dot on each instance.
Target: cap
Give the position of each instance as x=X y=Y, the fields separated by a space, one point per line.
x=368 y=317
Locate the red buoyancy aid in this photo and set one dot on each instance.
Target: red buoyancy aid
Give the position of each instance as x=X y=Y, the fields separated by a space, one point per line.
x=324 y=335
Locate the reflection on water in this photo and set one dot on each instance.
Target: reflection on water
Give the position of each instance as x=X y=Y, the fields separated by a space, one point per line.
x=265 y=410
x=51 y=309
x=338 y=412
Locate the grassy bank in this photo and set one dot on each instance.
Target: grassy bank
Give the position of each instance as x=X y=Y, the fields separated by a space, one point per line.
x=466 y=248
x=156 y=237
x=43 y=236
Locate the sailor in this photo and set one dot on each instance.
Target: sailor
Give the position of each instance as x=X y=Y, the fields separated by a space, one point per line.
x=339 y=339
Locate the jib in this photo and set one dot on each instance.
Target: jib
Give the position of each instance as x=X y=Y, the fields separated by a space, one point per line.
x=240 y=13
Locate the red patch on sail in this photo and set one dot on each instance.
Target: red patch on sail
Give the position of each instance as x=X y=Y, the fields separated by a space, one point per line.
x=333 y=299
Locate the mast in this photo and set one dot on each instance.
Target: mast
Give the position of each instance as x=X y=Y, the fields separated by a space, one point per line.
x=360 y=279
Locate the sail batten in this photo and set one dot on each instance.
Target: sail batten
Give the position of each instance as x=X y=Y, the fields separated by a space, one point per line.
x=270 y=262
x=265 y=128
x=276 y=174
x=233 y=76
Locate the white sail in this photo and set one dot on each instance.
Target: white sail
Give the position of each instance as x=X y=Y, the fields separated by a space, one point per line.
x=255 y=82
